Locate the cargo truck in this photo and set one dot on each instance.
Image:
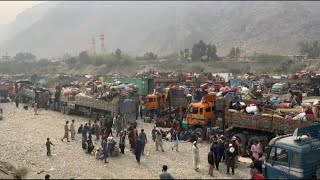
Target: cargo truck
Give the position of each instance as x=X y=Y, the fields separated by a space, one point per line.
x=126 y=107
x=293 y=156
x=29 y=94
x=214 y=112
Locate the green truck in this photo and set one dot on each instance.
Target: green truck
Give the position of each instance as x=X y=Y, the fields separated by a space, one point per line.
x=145 y=84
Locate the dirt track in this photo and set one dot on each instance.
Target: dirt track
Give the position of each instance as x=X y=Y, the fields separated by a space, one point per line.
x=23 y=136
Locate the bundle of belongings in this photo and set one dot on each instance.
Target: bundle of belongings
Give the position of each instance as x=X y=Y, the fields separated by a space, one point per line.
x=307 y=110
x=119 y=89
x=70 y=91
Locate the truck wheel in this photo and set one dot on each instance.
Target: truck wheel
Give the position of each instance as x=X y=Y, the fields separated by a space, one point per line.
x=243 y=143
x=67 y=111
x=199 y=132
x=62 y=109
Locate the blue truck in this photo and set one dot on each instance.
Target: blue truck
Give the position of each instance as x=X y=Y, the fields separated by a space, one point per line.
x=294 y=156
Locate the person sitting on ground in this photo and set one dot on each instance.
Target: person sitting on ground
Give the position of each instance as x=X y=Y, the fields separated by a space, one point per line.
x=164 y=174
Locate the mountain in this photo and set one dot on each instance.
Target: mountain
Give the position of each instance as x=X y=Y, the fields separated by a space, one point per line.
x=24 y=20
x=163 y=27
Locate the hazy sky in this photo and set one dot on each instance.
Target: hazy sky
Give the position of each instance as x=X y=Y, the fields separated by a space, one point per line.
x=10 y=9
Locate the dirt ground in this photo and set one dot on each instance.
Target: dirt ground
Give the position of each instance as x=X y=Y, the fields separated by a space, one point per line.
x=23 y=136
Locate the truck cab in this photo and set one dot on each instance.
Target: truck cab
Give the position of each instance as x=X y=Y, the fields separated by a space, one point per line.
x=201 y=113
x=280 y=88
x=155 y=102
x=294 y=156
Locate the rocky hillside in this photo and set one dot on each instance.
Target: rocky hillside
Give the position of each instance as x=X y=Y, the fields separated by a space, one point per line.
x=163 y=27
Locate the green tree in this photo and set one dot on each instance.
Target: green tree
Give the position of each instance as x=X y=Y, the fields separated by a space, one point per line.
x=214 y=55
x=237 y=52
x=232 y=53
x=117 y=54
x=182 y=55
x=195 y=54
x=24 y=57
x=209 y=52
x=84 y=58
x=186 y=54
x=311 y=49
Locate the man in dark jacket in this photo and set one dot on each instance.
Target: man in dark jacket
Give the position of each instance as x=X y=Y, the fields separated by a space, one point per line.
x=217 y=154
x=211 y=161
x=138 y=149
x=231 y=155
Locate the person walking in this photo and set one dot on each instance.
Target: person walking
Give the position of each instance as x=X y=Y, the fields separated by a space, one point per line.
x=138 y=149
x=84 y=135
x=66 y=132
x=153 y=134
x=217 y=154
x=17 y=102
x=35 y=108
x=97 y=125
x=211 y=161
x=73 y=129
x=143 y=138
x=164 y=174
x=159 y=140
x=175 y=141
x=195 y=156
x=48 y=144
x=122 y=141
x=231 y=155
x=105 y=150
x=141 y=112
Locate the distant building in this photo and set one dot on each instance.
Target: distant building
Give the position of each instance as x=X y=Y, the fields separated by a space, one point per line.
x=297 y=57
x=5 y=57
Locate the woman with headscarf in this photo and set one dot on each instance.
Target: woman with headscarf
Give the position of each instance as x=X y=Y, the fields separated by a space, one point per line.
x=195 y=156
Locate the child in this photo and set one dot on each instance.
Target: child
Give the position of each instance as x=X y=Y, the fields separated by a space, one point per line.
x=48 y=143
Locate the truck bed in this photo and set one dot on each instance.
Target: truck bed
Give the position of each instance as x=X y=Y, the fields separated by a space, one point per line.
x=91 y=102
x=272 y=124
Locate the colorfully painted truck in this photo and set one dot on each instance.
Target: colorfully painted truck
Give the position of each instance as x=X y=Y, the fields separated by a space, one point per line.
x=214 y=112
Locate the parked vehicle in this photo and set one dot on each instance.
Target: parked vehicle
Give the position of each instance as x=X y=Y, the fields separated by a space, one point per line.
x=294 y=156
x=126 y=107
x=161 y=104
x=27 y=93
x=280 y=88
x=246 y=127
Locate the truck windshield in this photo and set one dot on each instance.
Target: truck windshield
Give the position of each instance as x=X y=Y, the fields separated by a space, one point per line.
x=194 y=110
x=277 y=86
x=150 y=99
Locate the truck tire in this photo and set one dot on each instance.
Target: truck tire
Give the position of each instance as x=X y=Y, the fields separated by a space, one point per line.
x=199 y=132
x=67 y=111
x=243 y=143
x=62 y=109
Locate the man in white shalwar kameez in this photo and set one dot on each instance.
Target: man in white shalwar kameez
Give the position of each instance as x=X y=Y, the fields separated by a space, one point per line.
x=195 y=156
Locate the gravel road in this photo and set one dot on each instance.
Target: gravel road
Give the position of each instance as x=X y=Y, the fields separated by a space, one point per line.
x=23 y=136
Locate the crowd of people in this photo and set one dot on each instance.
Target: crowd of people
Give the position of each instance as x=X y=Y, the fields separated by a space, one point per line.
x=223 y=149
